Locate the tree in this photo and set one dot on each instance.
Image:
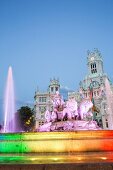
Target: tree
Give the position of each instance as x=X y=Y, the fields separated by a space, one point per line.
x=26 y=118
x=0 y=127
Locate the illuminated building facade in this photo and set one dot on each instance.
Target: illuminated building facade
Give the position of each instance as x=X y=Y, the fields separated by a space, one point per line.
x=43 y=101
x=95 y=82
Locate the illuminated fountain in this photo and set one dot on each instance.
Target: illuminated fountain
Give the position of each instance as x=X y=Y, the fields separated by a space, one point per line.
x=67 y=116
x=9 y=105
x=71 y=135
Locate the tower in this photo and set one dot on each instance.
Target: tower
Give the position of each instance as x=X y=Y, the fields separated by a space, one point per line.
x=43 y=101
x=54 y=86
x=95 y=63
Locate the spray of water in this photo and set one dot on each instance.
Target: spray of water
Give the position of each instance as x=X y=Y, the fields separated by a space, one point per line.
x=9 y=104
x=109 y=98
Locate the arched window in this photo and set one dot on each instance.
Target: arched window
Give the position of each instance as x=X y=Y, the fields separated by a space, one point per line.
x=107 y=123
x=56 y=88
x=93 y=68
x=51 y=89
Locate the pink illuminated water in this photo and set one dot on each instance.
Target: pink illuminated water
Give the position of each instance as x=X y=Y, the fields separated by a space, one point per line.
x=9 y=104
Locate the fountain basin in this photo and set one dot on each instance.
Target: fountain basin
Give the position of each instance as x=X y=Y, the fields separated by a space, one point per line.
x=57 y=142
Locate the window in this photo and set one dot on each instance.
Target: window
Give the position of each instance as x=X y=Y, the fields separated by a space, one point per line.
x=51 y=109
x=94 y=93
x=39 y=99
x=42 y=116
x=41 y=123
x=56 y=89
x=42 y=99
x=106 y=123
x=97 y=93
x=104 y=107
x=86 y=95
x=92 y=71
x=100 y=122
x=43 y=109
x=39 y=108
x=51 y=89
x=93 y=68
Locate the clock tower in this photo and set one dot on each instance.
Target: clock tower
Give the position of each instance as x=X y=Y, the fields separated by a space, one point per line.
x=95 y=63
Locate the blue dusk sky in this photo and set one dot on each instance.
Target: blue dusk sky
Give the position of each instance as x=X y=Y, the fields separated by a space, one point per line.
x=42 y=39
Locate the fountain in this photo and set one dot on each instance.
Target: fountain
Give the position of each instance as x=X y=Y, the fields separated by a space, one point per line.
x=9 y=104
x=69 y=135
x=69 y=116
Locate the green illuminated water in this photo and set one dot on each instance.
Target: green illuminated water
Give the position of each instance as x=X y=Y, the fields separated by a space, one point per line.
x=51 y=147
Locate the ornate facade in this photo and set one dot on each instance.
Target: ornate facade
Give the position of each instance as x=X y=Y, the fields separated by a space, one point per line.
x=43 y=101
x=94 y=83
x=93 y=86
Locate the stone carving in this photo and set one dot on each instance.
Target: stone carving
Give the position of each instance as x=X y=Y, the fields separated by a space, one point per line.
x=68 y=116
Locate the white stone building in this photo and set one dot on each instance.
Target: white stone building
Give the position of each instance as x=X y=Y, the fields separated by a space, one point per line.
x=43 y=101
x=95 y=82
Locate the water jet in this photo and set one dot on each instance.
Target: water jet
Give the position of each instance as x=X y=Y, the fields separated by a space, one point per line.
x=9 y=104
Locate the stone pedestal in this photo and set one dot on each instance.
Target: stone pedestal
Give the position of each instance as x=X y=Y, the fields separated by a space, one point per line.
x=59 y=167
